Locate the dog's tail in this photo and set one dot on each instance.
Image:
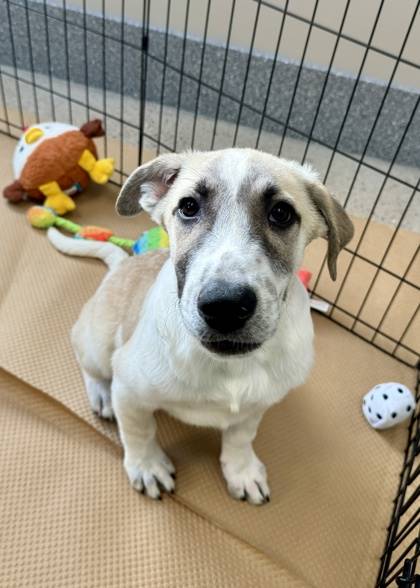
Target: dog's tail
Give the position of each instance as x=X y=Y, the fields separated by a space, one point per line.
x=111 y=254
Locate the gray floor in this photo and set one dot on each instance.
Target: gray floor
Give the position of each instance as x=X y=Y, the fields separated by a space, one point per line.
x=343 y=173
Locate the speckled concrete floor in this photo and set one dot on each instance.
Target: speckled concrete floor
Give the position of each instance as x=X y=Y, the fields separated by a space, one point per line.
x=345 y=174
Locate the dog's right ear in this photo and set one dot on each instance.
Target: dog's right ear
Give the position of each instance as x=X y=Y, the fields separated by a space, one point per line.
x=148 y=184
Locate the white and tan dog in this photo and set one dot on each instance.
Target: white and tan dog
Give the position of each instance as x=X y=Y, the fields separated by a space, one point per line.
x=225 y=330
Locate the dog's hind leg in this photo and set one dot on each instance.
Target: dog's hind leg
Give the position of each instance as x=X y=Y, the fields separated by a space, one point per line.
x=99 y=394
x=94 y=361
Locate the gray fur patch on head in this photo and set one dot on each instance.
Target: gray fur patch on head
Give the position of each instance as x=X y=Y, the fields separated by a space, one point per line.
x=257 y=195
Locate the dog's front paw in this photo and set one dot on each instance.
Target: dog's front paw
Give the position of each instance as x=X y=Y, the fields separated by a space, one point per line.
x=247 y=481
x=151 y=474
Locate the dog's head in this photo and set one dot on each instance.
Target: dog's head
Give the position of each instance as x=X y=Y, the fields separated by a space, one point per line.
x=238 y=223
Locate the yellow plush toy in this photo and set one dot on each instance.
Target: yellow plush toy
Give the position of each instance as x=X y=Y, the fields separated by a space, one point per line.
x=54 y=161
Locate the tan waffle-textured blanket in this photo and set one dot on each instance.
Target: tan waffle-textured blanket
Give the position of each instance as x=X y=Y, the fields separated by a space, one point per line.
x=68 y=516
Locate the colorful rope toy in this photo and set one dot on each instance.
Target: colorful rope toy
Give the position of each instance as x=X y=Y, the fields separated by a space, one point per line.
x=42 y=217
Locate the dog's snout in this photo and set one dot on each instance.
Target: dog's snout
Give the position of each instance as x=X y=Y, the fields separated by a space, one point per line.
x=226 y=307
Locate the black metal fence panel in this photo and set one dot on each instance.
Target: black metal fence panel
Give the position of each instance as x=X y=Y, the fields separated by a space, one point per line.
x=170 y=75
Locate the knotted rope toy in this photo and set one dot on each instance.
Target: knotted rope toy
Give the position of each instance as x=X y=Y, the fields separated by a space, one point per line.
x=42 y=217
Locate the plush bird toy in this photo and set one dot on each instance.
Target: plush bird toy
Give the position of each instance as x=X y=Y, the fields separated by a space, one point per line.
x=54 y=161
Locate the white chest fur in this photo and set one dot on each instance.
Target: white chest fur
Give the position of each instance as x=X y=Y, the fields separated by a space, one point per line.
x=168 y=368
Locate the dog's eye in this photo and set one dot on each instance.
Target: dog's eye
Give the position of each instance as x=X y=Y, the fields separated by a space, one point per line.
x=188 y=207
x=282 y=215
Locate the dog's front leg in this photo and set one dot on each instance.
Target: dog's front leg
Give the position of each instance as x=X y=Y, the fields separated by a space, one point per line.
x=149 y=469
x=244 y=473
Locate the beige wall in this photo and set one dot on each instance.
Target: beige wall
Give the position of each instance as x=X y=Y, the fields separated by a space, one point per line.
x=392 y=27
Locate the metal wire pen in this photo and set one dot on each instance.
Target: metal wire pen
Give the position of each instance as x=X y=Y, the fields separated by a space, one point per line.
x=137 y=75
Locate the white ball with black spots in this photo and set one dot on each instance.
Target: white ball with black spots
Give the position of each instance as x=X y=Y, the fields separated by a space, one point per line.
x=388 y=404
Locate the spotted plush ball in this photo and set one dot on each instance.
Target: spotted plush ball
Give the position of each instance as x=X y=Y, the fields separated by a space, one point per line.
x=388 y=404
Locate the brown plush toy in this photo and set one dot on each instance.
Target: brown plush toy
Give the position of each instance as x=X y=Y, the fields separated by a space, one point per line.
x=54 y=161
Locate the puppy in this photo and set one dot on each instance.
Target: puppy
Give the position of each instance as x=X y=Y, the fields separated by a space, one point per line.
x=219 y=330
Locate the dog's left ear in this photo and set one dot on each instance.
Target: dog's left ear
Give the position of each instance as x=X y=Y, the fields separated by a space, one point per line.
x=148 y=184
x=336 y=224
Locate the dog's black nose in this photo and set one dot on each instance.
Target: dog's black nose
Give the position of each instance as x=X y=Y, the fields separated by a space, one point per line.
x=226 y=307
